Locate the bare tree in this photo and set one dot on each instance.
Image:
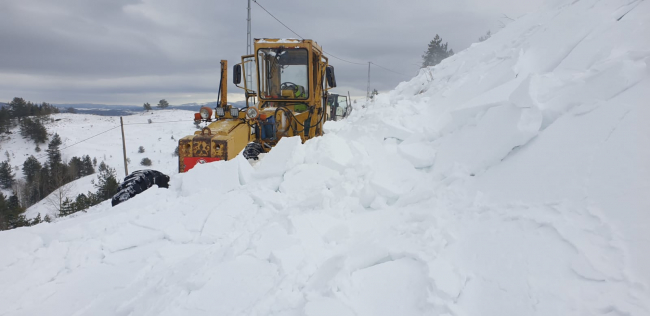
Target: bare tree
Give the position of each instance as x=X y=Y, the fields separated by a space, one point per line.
x=20 y=188
x=63 y=191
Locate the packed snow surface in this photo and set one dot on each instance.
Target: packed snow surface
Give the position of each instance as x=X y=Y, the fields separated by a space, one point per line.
x=511 y=179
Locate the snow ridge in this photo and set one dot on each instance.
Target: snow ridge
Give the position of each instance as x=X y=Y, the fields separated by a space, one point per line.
x=508 y=180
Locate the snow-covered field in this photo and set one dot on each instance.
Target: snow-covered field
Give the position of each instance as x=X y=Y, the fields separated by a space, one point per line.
x=155 y=137
x=511 y=179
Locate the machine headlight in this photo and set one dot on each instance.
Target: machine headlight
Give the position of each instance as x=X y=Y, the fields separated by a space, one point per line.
x=206 y=112
x=251 y=113
x=220 y=111
x=234 y=112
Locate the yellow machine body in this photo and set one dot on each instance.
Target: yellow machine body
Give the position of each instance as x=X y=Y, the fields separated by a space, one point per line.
x=221 y=142
x=277 y=107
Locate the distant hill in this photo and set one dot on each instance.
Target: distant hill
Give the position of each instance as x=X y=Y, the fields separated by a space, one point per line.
x=124 y=110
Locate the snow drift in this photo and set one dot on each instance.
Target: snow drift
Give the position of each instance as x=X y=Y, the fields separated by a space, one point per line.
x=508 y=180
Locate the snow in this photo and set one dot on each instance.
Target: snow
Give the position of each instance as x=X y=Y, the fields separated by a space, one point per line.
x=508 y=180
x=156 y=138
x=280 y=40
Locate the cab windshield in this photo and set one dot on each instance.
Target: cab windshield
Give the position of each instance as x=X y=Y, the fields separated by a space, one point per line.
x=283 y=73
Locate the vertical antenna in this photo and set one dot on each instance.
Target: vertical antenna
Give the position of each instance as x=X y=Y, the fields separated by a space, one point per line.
x=249 y=51
x=249 y=40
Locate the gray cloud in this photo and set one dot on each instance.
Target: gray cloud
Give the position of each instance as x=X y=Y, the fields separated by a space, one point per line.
x=130 y=51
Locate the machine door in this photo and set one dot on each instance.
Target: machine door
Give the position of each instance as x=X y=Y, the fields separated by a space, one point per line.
x=342 y=107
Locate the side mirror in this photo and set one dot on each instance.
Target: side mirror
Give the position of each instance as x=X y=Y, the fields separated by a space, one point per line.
x=331 y=78
x=236 y=74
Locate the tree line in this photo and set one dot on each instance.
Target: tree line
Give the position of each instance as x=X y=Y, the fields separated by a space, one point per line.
x=162 y=104
x=437 y=51
x=19 y=109
x=51 y=179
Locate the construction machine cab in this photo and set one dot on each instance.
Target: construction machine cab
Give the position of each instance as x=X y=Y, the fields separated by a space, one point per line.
x=293 y=77
x=283 y=73
x=338 y=107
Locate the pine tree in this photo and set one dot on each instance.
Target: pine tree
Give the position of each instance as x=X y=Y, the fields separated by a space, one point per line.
x=15 y=218
x=45 y=186
x=53 y=152
x=6 y=175
x=13 y=203
x=87 y=166
x=32 y=192
x=373 y=94
x=18 y=108
x=67 y=208
x=436 y=52
x=485 y=37
x=147 y=106
x=107 y=183
x=75 y=167
x=163 y=104
x=82 y=202
x=18 y=220
x=5 y=119
x=31 y=168
x=4 y=212
x=36 y=220
x=102 y=167
x=92 y=199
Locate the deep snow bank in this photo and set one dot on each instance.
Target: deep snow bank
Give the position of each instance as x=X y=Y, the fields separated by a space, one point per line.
x=508 y=180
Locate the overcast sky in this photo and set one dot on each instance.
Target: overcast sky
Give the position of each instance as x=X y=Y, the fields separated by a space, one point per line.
x=136 y=51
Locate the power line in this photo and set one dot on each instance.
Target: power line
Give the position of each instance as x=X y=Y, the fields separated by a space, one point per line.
x=389 y=69
x=330 y=54
x=267 y=11
x=294 y=32
x=341 y=59
x=108 y=130
x=183 y=121
x=81 y=141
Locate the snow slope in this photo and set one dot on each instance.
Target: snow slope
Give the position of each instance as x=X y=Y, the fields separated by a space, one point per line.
x=507 y=180
x=155 y=137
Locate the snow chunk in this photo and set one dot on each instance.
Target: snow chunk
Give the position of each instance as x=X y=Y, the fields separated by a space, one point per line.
x=373 y=289
x=331 y=151
x=215 y=177
x=286 y=154
x=327 y=307
x=496 y=134
x=420 y=153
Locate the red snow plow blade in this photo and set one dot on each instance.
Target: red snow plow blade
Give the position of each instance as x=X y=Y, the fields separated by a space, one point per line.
x=190 y=162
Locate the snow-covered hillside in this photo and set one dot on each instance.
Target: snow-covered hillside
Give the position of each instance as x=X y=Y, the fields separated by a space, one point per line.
x=508 y=180
x=159 y=139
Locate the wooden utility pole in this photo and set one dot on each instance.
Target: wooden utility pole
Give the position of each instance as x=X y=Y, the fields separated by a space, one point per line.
x=224 y=83
x=368 y=91
x=126 y=168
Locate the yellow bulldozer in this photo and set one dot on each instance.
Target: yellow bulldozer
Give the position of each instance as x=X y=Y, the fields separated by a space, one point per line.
x=289 y=98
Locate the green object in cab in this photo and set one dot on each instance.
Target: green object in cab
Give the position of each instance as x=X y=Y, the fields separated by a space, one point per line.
x=300 y=107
